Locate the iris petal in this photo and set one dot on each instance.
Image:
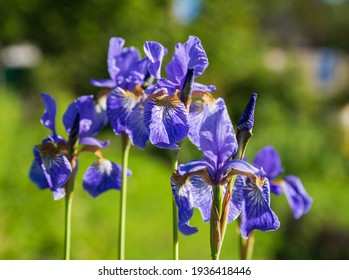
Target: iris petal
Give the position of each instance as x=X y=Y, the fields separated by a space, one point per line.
x=155 y=53
x=119 y=105
x=236 y=200
x=184 y=202
x=55 y=166
x=247 y=119
x=115 y=47
x=37 y=175
x=297 y=197
x=217 y=139
x=166 y=120
x=101 y=176
x=257 y=213
x=136 y=129
x=192 y=166
x=48 y=118
x=268 y=159
x=196 y=115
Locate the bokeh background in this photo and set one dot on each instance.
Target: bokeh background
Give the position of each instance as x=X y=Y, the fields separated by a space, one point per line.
x=293 y=54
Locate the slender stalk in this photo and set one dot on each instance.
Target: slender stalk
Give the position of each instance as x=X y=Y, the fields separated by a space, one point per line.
x=126 y=146
x=246 y=247
x=175 y=235
x=215 y=223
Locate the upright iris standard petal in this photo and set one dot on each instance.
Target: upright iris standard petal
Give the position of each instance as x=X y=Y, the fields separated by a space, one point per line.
x=247 y=119
x=217 y=138
x=119 y=105
x=136 y=129
x=155 y=53
x=101 y=176
x=297 y=197
x=48 y=118
x=268 y=159
x=55 y=166
x=166 y=120
x=183 y=199
x=115 y=48
x=257 y=214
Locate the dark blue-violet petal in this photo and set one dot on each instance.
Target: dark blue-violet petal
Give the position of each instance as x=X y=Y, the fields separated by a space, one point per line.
x=184 y=202
x=105 y=83
x=94 y=142
x=37 y=175
x=155 y=53
x=268 y=159
x=125 y=61
x=115 y=48
x=48 y=118
x=196 y=116
x=202 y=196
x=236 y=200
x=135 y=127
x=85 y=107
x=55 y=166
x=189 y=55
x=193 y=166
x=101 y=176
x=297 y=197
x=217 y=139
x=166 y=119
x=247 y=118
x=257 y=214
x=275 y=188
x=119 y=105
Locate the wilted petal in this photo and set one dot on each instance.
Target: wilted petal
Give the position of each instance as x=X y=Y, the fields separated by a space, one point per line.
x=236 y=200
x=268 y=159
x=257 y=213
x=184 y=202
x=136 y=129
x=55 y=166
x=101 y=176
x=166 y=120
x=217 y=139
x=155 y=53
x=247 y=119
x=48 y=118
x=119 y=105
x=202 y=196
x=37 y=175
x=297 y=197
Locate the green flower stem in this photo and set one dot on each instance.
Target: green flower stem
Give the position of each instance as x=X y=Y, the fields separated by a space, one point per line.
x=69 y=190
x=175 y=235
x=126 y=146
x=246 y=247
x=215 y=223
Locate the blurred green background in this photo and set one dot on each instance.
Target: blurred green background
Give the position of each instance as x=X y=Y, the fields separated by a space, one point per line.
x=293 y=54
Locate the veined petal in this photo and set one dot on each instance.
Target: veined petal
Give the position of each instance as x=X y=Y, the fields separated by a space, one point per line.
x=119 y=105
x=101 y=176
x=184 y=202
x=201 y=195
x=257 y=213
x=55 y=166
x=155 y=53
x=237 y=166
x=196 y=116
x=125 y=61
x=37 y=175
x=247 y=118
x=115 y=48
x=94 y=142
x=48 y=118
x=297 y=197
x=268 y=159
x=236 y=200
x=136 y=129
x=166 y=120
x=217 y=139
x=192 y=166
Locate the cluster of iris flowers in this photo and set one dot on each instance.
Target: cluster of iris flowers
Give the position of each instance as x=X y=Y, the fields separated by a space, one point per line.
x=141 y=105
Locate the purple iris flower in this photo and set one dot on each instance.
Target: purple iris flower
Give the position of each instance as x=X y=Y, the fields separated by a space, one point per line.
x=166 y=109
x=54 y=157
x=194 y=182
x=128 y=78
x=297 y=197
